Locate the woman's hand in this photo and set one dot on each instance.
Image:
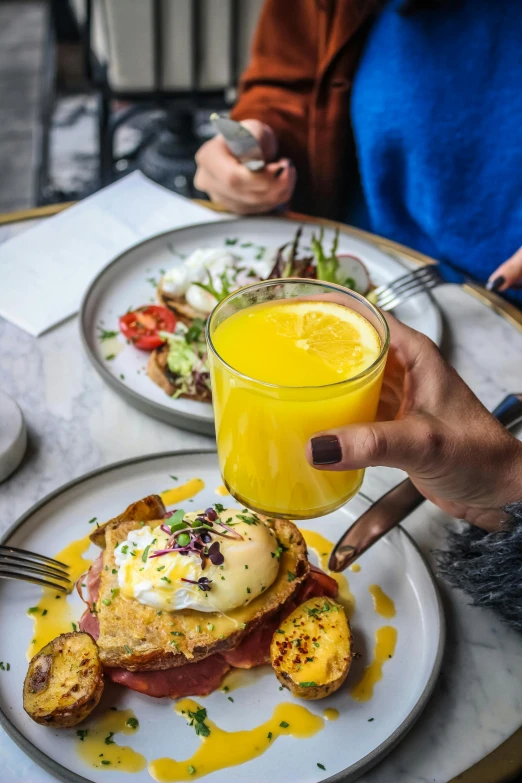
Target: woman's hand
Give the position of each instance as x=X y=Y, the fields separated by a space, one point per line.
x=432 y=426
x=508 y=274
x=231 y=184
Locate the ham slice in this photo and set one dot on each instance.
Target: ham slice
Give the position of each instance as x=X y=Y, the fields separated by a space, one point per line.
x=89 y=622
x=203 y=677
x=192 y=679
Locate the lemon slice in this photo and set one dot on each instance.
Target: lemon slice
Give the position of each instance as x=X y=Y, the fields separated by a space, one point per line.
x=334 y=335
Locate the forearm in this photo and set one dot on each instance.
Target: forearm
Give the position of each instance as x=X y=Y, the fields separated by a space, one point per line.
x=488 y=566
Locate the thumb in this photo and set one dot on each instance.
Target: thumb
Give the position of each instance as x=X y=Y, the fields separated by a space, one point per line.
x=405 y=443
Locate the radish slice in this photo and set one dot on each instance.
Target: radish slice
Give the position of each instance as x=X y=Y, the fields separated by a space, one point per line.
x=351 y=266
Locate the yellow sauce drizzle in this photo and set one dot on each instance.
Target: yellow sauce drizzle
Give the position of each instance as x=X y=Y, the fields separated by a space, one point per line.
x=223 y=749
x=94 y=750
x=385 y=640
x=241 y=678
x=111 y=348
x=322 y=548
x=185 y=491
x=355 y=568
x=222 y=490
x=53 y=614
x=330 y=713
x=382 y=603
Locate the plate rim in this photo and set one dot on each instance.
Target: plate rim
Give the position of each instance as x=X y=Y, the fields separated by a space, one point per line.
x=184 y=420
x=344 y=776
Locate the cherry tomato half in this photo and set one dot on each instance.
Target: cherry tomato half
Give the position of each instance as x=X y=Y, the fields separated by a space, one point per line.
x=141 y=326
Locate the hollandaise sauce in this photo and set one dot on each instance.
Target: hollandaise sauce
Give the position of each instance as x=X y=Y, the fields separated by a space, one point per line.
x=53 y=615
x=322 y=548
x=385 y=641
x=355 y=568
x=382 y=603
x=221 y=749
x=184 y=492
x=222 y=490
x=98 y=747
x=330 y=713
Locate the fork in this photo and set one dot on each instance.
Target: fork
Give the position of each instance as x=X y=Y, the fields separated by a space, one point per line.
x=31 y=567
x=419 y=281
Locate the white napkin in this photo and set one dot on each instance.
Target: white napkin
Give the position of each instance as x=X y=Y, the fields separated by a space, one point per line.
x=45 y=271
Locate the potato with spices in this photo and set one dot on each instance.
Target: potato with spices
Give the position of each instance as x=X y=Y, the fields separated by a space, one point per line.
x=311 y=651
x=64 y=682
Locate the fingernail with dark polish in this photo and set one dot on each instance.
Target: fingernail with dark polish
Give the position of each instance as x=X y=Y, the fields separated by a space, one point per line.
x=278 y=172
x=326 y=450
x=496 y=283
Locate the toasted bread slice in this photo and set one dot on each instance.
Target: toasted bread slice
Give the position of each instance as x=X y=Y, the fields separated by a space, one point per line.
x=137 y=637
x=185 y=312
x=143 y=510
x=158 y=371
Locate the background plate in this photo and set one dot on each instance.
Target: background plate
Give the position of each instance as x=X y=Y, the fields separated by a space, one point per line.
x=129 y=281
x=346 y=747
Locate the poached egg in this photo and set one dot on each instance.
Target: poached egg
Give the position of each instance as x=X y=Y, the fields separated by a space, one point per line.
x=249 y=567
x=213 y=262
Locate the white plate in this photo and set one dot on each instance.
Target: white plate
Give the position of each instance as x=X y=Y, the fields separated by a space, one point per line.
x=126 y=282
x=346 y=747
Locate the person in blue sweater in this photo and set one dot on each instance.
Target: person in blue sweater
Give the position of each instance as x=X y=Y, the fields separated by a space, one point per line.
x=429 y=93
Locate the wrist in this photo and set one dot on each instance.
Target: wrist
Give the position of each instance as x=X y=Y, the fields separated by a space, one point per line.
x=506 y=489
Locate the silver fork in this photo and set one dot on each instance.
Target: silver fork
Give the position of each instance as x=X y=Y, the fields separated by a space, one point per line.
x=423 y=279
x=31 y=567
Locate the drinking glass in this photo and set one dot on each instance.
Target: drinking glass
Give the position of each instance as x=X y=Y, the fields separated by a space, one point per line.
x=262 y=428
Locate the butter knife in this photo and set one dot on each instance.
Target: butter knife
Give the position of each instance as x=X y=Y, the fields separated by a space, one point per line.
x=398 y=503
x=240 y=142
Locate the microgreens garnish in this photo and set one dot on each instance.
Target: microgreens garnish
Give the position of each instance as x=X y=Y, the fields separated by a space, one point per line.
x=132 y=723
x=82 y=733
x=106 y=334
x=203 y=583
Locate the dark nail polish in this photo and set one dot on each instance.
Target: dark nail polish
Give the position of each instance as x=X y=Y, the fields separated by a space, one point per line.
x=278 y=172
x=496 y=283
x=326 y=450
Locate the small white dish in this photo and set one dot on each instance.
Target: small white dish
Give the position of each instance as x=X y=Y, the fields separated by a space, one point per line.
x=13 y=436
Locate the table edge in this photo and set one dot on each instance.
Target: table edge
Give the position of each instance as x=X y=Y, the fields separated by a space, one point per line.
x=503 y=762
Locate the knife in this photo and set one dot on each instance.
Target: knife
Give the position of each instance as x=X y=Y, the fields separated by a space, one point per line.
x=398 y=503
x=240 y=142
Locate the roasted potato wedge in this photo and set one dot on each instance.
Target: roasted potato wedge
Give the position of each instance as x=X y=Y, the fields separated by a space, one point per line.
x=64 y=682
x=311 y=651
x=143 y=510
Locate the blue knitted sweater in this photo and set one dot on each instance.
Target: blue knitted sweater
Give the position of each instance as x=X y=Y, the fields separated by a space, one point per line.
x=437 y=118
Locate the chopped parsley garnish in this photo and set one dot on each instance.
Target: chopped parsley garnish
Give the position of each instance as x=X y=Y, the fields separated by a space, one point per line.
x=191 y=769
x=210 y=626
x=82 y=733
x=280 y=631
x=230 y=241
x=165 y=579
x=106 y=602
x=91 y=521
x=132 y=723
x=291 y=576
x=249 y=590
x=160 y=568
x=316 y=644
x=177 y=633
x=219 y=507
x=104 y=761
x=269 y=735
x=195 y=330
x=174 y=478
x=197 y=719
x=246 y=568
x=124 y=549
x=231 y=699
x=310 y=684
x=114 y=571
x=109 y=739
x=284 y=724
x=370 y=720
x=127 y=649
x=145 y=554
x=74 y=627
x=248 y=519
x=198 y=628
x=152 y=281
x=321 y=766
x=33 y=609
x=106 y=334
x=115 y=591
x=109 y=358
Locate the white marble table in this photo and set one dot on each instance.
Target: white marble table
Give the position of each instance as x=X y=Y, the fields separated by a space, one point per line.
x=76 y=424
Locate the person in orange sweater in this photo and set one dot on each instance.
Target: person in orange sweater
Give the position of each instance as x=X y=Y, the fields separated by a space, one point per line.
x=400 y=116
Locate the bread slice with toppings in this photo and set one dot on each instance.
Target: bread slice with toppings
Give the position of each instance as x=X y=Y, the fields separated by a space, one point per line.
x=137 y=637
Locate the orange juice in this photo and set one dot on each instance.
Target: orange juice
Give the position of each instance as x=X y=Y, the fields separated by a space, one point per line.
x=282 y=371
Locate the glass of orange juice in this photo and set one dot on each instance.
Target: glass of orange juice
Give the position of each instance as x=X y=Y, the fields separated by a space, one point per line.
x=289 y=358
